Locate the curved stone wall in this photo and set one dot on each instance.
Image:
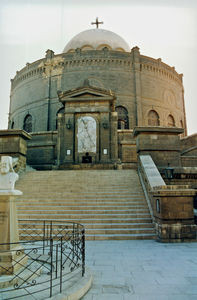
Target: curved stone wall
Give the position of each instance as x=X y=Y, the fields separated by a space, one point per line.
x=162 y=91
x=141 y=85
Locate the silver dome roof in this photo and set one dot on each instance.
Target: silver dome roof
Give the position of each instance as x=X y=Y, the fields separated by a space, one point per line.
x=97 y=39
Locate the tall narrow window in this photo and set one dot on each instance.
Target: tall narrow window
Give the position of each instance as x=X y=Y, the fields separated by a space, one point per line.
x=123 y=119
x=171 y=122
x=27 y=124
x=12 y=125
x=153 y=118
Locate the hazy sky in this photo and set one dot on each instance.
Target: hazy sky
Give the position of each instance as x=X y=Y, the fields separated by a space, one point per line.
x=161 y=28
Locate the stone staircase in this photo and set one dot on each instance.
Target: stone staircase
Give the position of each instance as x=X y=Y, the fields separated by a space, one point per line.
x=110 y=203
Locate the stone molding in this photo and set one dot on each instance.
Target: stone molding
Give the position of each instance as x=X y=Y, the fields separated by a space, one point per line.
x=157 y=129
x=162 y=72
x=18 y=132
x=72 y=60
x=68 y=64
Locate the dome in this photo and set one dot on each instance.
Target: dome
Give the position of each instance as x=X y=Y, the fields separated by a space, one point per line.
x=97 y=39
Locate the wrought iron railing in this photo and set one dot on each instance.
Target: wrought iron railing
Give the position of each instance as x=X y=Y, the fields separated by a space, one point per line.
x=48 y=255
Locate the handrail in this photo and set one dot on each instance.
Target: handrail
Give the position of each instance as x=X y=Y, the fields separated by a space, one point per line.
x=43 y=260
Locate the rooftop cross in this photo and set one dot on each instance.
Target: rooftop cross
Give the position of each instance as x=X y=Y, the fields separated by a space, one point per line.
x=97 y=22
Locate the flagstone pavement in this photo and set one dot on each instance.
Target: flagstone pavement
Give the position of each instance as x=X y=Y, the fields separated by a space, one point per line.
x=142 y=270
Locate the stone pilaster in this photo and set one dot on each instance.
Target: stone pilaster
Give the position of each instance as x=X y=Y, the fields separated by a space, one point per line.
x=137 y=83
x=69 y=138
x=104 y=137
x=114 y=137
x=185 y=121
x=60 y=126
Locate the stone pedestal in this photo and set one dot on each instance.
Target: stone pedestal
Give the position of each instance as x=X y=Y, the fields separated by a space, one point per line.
x=13 y=142
x=12 y=256
x=173 y=212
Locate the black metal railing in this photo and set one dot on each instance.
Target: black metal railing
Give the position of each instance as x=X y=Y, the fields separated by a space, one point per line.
x=48 y=255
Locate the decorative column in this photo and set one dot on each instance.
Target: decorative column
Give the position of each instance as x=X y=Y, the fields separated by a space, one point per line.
x=12 y=256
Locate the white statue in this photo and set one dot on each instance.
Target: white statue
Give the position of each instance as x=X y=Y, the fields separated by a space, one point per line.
x=7 y=176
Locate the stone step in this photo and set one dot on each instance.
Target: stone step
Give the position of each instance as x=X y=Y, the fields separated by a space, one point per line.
x=85 y=211
x=79 y=217
x=66 y=183
x=120 y=231
x=102 y=202
x=42 y=195
x=110 y=203
x=38 y=227
x=81 y=198
x=119 y=226
x=143 y=236
x=83 y=221
x=82 y=206
x=88 y=192
x=95 y=232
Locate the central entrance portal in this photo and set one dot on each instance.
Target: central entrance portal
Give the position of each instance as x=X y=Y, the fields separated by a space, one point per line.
x=86 y=139
x=86 y=134
x=87 y=130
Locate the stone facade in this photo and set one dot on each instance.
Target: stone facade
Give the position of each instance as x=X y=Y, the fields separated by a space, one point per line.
x=146 y=91
x=149 y=90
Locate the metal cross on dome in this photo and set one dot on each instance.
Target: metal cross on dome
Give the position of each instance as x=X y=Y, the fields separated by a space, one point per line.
x=97 y=22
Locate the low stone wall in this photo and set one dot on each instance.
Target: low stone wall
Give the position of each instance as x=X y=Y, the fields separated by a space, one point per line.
x=171 y=206
x=41 y=150
x=162 y=143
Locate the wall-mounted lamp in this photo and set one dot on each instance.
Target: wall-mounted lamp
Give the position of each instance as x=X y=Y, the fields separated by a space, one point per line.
x=169 y=172
x=105 y=125
x=68 y=124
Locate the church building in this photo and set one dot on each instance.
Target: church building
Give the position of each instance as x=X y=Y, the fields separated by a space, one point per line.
x=119 y=116
x=82 y=105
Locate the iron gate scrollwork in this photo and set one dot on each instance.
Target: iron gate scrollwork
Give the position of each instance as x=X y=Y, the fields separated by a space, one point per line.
x=48 y=252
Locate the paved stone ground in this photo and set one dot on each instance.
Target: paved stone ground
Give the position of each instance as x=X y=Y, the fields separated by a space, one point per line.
x=142 y=270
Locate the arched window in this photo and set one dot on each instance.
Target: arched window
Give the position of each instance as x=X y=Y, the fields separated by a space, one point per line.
x=181 y=124
x=123 y=119
x=171 y=122
x=27 y=124
x=153 y=118
x=60 y=111
x=12 y=125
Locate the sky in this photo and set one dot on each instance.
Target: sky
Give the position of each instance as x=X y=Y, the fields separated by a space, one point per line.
x=165 y=29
